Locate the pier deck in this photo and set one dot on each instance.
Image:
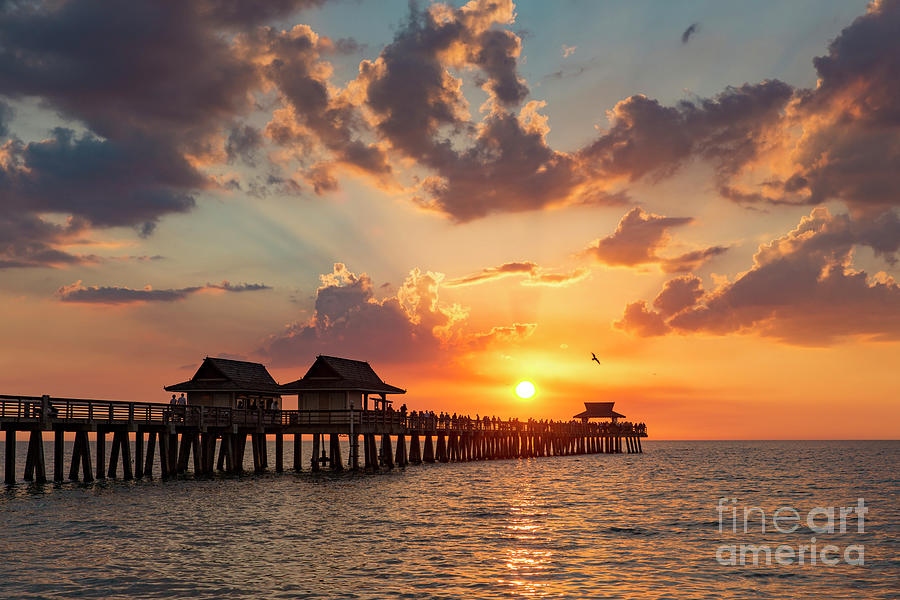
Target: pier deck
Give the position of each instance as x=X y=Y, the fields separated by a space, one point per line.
x=216 y=438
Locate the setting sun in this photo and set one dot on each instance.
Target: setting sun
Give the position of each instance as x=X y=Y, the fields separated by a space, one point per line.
x=525 y=389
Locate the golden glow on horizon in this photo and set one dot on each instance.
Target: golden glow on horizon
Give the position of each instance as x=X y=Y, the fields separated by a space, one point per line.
x=525 y=389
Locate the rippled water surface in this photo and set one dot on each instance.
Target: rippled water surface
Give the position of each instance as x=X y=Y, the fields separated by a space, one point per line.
x=598 y=526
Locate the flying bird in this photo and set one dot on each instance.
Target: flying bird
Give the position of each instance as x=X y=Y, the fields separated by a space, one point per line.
x=595 y=359
x=689 y=32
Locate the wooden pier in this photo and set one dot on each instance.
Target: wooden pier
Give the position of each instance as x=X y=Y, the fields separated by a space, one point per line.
x=170 y=438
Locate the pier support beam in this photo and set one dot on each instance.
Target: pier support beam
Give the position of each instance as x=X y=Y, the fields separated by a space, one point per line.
x=9 y=471
x=298 y=453
x=101 y=454
x=279 y=453
x=35 y=469
x=387 y=458
x=148 y=457
x=442 y=448
x=337 y=461
x=81 y=456
x=429 y=449
x=138 y=454
x=315 y=453
x=354 y=451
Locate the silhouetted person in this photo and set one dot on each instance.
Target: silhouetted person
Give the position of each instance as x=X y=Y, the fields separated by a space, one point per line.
x=174 y=400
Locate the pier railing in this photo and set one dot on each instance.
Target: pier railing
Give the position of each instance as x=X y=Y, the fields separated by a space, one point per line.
x=48 y=410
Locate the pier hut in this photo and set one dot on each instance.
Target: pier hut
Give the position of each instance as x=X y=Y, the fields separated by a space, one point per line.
x=333 y=386
x=599 y=410
x=334 y=383
x=227 y=383
x=612 y=433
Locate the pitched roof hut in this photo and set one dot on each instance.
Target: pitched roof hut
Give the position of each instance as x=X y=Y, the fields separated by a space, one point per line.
x=333 y=383
x=229 y=383
x=598 y=410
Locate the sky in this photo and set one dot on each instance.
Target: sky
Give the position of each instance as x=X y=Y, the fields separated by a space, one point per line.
x=467 y=195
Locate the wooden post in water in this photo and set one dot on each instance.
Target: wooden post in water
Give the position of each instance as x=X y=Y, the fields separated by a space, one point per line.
x=387 y=458
x=315 y=453
x=125 y=448
x=354 y=451
x=442 y=447
x=400 y=457
x=429 y=448
x=415 y=449
x=58 y=454
x=298 y=452
x=139 y=454
x=279 y=453
x=101 y=454
x=34 y=459
x=337 y=461
x=151 y=450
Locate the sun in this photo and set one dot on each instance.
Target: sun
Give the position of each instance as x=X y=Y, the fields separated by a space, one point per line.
x=525 y=389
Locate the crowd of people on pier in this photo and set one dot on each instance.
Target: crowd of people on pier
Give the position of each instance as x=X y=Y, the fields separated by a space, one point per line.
x=442 y=420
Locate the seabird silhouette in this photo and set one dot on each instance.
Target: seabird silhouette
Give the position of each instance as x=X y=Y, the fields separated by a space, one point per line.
x=594 y=358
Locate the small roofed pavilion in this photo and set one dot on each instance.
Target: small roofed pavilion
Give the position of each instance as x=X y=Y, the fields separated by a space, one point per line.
x=598 y=410
x=231 y=384
x=334 y=383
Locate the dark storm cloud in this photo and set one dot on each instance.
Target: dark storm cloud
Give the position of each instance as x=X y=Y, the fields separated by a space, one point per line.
x=801 y=289
x=689 y=32
x=78 y=293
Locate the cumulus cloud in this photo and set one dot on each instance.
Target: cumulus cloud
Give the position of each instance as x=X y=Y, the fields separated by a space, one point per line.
x=314 y=115
x=535 y=275
x=647 y=138
x=412 y=324
x=500 y=164
x=81 y=294
x=152 y=82
x=638 y=238
x=801 y=289
x=773 y=143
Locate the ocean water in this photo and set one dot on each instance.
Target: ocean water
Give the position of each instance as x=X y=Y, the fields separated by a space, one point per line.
x=595 y=526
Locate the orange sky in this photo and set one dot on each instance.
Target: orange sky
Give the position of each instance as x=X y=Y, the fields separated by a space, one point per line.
x=467 y=211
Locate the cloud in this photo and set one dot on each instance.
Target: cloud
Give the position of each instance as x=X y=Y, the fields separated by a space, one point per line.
x=500 y=164
x=689 y=32
x=315 y=119
x=536 y=276
x=638 y=238
x=152 y=82
x=242 y=143
x=649 y=139
x=775 y=144
x=6 y=115
x=411 y=325
x=78 y=293
x=801 y=289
